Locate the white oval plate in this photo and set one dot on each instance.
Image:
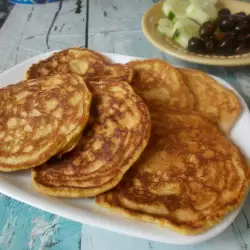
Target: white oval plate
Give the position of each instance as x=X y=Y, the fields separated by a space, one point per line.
x=18 y=185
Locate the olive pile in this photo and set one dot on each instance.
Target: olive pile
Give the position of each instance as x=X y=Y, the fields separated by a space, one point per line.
x=227 y=35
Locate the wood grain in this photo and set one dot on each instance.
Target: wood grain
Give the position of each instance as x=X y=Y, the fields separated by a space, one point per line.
x=23 y=227
x=108 y=26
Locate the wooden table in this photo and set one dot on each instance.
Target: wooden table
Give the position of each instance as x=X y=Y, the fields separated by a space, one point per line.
x=108 y=26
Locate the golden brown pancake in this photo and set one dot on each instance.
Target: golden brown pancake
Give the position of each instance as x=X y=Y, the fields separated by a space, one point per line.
x=212 y=100
x=160 y=85
x=84 y=62
x=188 y=178
x=118 y=135
x=76 y=60
x=40 y=118
x=113 y=71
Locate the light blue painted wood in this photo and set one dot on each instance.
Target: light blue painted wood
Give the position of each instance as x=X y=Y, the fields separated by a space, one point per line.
x=23 y=227
x=124 y=42
x=114 y=26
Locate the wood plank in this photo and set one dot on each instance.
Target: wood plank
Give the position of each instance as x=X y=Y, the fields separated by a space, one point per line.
x=115 y=26
x=125 y=42
x=235 y=237
x=31 y=34
x=23 y=227
x=115 y=15
x=10 y=35
x=96 y=239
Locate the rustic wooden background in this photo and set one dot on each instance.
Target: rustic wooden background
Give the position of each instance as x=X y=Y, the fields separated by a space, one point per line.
x=109 y=26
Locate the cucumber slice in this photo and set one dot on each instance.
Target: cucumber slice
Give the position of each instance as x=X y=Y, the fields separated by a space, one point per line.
x=198 y=14
x=165 y=26
x=187 y=24
x=175 y=9
x=183 y=30
x=202 y=14
x=212 y=12
x=181 y=39
x=203 y=3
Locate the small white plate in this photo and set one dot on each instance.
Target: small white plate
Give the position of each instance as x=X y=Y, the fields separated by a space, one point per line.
x=18 y=185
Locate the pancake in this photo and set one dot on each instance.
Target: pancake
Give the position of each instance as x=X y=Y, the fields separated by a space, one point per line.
x=213 y=100
x=84 y=62
x=160 y=85
x=76 y=60
x=73 y=143
x=115 y=71
x=40 y=118
x=118 y=134
x=188 y=178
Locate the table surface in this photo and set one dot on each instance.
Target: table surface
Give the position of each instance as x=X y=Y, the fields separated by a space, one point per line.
x=109 y=26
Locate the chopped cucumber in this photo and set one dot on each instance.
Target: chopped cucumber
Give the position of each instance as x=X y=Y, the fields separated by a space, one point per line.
x=171 y=16
x=186 y=23
x=182 y=40
x=184 y=29
x=184 y=17
x=212 y=12
x=201 y=15
x=175 y=9
x=165 y=26
x=198 y=14
x=203 y=3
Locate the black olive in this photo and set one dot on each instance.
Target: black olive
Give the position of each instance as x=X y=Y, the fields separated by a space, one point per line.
x=241 y=28
x=242 y=49
x=232 y=34
x=207 y=38
x=241 y=14
x=219 y=36
x=196 y=45
x=243 y=21
x=239 y=17
x=207 y=29
x=226 y=24
x=224 y=12
x=247 y=19
x=245 y=38
x=241 y=38
x=210 y=45
x=225 y=47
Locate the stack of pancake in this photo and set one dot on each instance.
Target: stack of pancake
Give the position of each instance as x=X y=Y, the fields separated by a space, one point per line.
x=146 y=139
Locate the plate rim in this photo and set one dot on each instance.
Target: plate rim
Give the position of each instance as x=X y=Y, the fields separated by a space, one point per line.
x=93 y=219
